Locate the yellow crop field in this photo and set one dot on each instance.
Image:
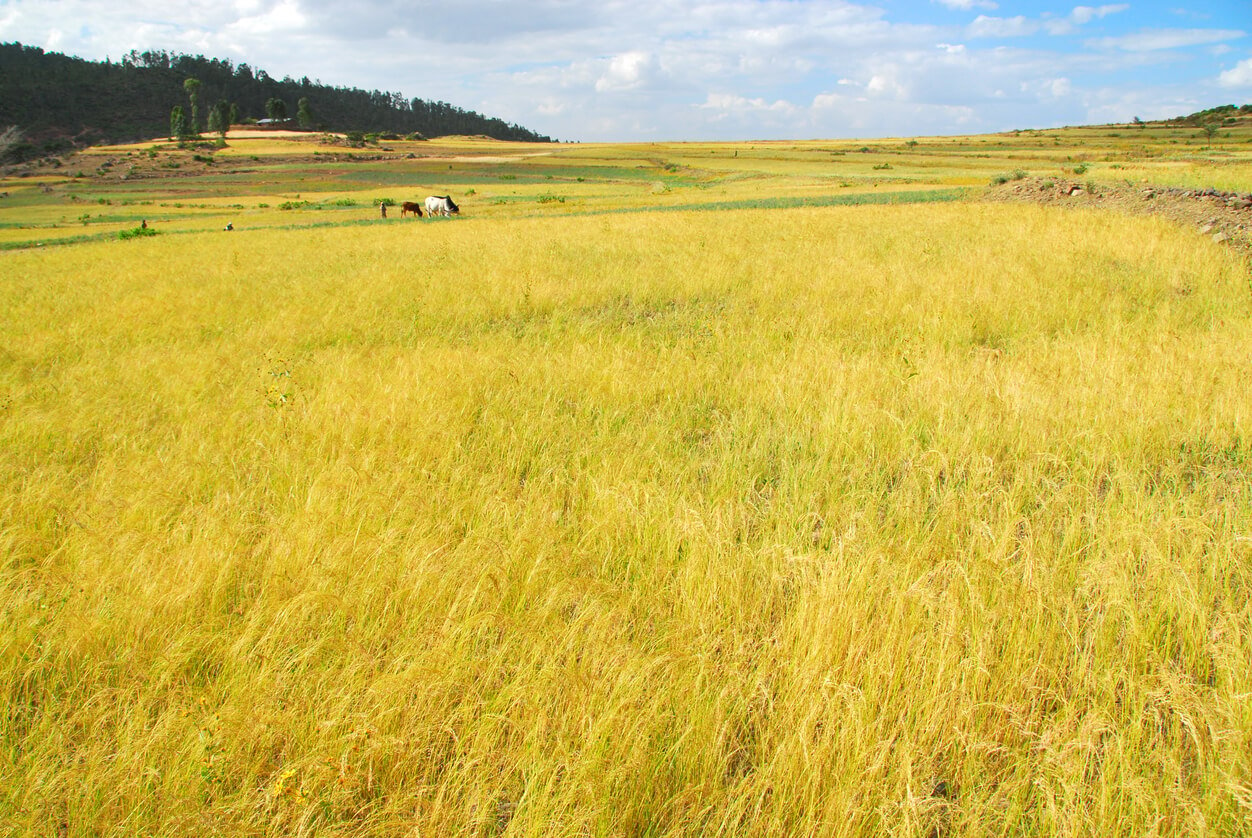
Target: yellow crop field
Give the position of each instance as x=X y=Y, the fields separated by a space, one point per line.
x=690 y=509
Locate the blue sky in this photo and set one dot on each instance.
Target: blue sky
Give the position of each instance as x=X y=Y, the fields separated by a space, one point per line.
x=714 y=69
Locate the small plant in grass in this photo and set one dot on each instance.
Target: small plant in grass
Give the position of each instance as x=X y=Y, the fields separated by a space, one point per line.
x=1080 y=169
x=1016 y=174
x=551 y=199
x=279 y=389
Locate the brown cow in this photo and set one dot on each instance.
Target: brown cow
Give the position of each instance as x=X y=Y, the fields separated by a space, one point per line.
x=410 y=206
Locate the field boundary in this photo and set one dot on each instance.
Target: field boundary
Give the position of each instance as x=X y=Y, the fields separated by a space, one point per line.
x=858 y=199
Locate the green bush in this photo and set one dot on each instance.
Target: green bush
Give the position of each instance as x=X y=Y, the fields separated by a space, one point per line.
x=136 y=232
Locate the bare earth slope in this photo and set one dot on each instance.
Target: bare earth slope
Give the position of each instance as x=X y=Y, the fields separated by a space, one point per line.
x=1226 y=216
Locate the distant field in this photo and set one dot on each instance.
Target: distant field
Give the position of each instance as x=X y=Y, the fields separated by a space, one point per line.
x=263 y=180
x=682 y=489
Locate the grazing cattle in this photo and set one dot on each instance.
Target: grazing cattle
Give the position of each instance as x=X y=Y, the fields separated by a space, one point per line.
x=411 y=207
x=441 y=205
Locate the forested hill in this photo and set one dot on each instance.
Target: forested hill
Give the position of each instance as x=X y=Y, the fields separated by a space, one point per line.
x=53 y=98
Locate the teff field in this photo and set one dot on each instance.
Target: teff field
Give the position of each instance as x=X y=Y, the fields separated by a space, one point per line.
x=670 y=490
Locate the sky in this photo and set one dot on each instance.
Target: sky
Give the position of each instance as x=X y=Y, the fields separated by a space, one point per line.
x=653 y=70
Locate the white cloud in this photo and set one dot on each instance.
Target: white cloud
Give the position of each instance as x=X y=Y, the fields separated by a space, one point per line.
x=1002 y=27
x=285 y=16
x=626 y=72
x=7 y=19
x=1086 y=14
x=1160 y=39
x=887 y=83
x=967 y=5
x=1238 y=77
x=730 y=103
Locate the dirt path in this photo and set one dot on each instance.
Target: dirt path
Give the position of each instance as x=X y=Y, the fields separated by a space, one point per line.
x=1224 y=216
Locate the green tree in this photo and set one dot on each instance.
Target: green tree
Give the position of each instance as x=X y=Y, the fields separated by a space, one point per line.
x=178 y=123
x=234 y=113
x=192 y=86
x=304 y=116
x=276 y=108
x=1210 y=130
x=219 y=118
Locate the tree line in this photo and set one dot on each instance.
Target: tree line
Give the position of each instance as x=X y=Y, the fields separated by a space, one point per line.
x=58 y=100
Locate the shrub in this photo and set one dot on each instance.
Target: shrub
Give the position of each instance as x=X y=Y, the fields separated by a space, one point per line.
x=1016 y=174
x=135 y=233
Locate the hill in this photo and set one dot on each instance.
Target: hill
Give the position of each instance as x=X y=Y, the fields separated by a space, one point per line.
x=58 y=101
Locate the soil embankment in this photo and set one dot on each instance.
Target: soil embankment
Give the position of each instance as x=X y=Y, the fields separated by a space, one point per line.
x=1225 y=216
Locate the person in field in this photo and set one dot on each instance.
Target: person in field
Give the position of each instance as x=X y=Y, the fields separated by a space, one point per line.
x=441 y=205
x=382 y=209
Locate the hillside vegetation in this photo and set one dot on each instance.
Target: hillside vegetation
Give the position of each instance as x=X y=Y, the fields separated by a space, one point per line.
x=686 y=489
x=57 y=99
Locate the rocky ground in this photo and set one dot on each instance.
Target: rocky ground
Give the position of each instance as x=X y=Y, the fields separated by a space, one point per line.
x=1224 y=216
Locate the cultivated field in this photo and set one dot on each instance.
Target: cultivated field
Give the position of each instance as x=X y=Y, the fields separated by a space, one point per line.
x=690 y=489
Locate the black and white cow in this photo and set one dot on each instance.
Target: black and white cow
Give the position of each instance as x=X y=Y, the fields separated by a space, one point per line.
x=441 y=205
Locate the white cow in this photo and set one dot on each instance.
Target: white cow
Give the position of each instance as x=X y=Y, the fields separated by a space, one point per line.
x=441 y=205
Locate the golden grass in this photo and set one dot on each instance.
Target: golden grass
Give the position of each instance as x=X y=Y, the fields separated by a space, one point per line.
x=917 y=520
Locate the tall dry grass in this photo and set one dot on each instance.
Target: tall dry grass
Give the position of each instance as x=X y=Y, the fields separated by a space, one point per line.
x=857 y=521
